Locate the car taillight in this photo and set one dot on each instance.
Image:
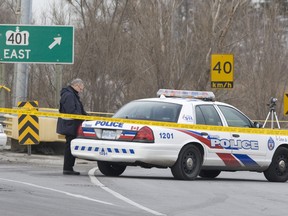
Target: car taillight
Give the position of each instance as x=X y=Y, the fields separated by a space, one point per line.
x=80 y=131
x=145 y=134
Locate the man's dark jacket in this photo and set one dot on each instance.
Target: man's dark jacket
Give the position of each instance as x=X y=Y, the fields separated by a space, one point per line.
x=69 y=103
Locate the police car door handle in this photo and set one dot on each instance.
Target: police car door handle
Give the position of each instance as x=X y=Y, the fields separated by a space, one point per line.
x=204 y=134
x=236 y=135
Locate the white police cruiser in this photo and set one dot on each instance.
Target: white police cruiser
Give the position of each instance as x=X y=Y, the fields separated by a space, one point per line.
x=222 y=139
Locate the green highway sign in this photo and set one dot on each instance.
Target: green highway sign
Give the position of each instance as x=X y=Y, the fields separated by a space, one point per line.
x=36 y=44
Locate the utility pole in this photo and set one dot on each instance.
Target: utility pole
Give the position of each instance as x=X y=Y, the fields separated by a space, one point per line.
x=58 y=83
x=21 y=72
x=2 y=80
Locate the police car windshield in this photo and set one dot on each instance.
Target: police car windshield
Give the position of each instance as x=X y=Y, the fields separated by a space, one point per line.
x=150 y=110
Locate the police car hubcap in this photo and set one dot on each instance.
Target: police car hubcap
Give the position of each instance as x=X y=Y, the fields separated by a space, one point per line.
x=189 y=163
x=282 y=165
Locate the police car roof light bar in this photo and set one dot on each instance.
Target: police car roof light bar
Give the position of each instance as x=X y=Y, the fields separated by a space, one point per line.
x=203 y=95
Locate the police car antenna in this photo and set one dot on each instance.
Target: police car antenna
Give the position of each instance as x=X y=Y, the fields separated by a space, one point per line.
x=272 y=112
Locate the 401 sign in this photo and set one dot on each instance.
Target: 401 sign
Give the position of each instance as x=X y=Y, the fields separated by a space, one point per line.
x=222 y=71
x=36 y=44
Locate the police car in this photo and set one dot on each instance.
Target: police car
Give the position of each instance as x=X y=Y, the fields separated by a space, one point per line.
x=186 y=131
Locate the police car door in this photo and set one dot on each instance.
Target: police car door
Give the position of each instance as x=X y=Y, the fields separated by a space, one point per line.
x=217 y=142
x=248 y=148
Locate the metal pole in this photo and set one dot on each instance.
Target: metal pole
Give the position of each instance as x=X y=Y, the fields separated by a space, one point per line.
x=21 y=72
x=2 y=81
x=29 y=150
x=272 y=119
x=58 y=83
x=276 y=118
x=266 y=119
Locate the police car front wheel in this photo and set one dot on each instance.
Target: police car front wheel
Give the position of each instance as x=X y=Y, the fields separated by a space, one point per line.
x=188 y=164
x=278 y=169
x=110 y=169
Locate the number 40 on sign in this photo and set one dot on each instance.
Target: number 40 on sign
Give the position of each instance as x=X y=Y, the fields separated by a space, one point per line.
x=222 y=71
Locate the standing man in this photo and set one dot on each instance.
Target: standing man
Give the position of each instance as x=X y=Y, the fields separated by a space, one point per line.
x=70 y=104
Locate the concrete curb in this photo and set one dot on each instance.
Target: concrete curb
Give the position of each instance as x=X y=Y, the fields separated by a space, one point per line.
x=12 y=157
x=9 y=156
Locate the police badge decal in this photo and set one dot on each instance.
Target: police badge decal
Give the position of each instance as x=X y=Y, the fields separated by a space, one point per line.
x=271 y=144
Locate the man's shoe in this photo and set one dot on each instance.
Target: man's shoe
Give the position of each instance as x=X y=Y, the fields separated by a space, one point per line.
x=70 y=172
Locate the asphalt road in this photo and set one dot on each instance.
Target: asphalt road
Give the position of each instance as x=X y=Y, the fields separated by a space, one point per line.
x=37 y=187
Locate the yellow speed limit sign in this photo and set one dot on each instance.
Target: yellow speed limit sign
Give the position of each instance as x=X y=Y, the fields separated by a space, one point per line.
x=222 y=70
x=286 y=103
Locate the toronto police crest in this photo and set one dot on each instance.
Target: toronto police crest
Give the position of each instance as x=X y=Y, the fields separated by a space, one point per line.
x=271 y=144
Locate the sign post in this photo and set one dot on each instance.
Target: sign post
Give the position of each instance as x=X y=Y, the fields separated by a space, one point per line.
x=222 y=71
x=36 y=44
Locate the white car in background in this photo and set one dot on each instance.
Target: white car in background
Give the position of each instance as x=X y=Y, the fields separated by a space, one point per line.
x=3 y=138
x=205 y=151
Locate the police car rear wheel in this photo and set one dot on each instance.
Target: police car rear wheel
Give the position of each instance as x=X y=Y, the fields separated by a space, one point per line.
x=110 y=169
x=188 y=164
x=209 y=173
x=278 y=169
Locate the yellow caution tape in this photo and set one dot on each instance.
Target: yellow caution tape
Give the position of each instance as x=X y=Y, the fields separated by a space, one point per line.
x=145 y=122
x=6 y=88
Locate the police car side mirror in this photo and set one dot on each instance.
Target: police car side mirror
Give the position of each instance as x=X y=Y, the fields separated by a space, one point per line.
x=257 y=125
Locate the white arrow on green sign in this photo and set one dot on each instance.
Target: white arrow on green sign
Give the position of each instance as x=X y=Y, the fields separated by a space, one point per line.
x=37 y=44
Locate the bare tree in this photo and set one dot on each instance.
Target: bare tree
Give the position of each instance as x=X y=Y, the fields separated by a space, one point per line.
x=128 y=49
x=262 y=60
x=8 y=15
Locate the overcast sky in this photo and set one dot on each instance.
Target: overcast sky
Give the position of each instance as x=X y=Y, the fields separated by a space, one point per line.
x=39 y=5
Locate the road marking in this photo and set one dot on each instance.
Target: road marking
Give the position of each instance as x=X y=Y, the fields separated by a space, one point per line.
x=58 y=191
x=95 y=181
